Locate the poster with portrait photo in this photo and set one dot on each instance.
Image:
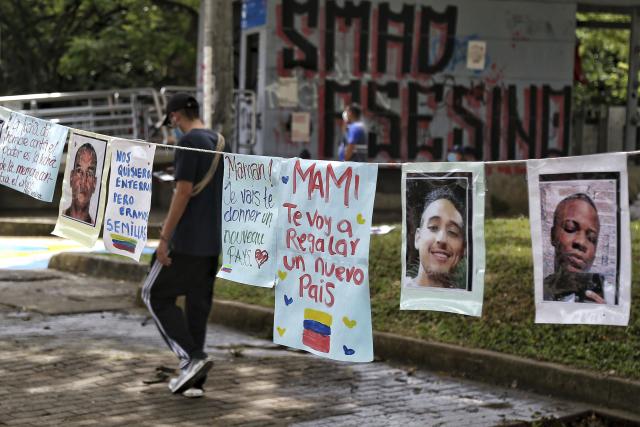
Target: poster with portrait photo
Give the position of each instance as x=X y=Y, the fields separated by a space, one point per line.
x=443 y=254
x=579 y=218
x=5 y=114
x=84 y=187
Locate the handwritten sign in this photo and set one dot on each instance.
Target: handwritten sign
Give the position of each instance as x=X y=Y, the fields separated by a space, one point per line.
x=249 y=219
x=129 y=198
x=322 y=296
x=84 y=187
x=30 y=152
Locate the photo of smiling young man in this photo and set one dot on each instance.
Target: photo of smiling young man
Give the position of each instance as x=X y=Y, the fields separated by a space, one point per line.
x=438 y=235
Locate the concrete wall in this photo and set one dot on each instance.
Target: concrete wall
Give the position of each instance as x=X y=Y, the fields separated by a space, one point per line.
x=406 y=64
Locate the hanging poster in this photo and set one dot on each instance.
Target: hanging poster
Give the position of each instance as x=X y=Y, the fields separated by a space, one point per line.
x=300 y=126
x=249 y=219
x=322 y=295
x=579 y=214
x=443 y=253
x=287 y=92
x=5 y=114
x=129 y=198
x=84 y=187
x=30 y=153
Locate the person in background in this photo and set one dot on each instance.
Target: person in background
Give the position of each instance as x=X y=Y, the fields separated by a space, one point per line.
x=469 y=154
x=553 y=152
x=355 y=143
x=455 y=154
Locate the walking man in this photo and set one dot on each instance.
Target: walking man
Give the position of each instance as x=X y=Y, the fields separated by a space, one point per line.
x=186 y=259
x=355 y=144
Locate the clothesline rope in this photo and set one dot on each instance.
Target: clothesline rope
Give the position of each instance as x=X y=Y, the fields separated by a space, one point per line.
x=394 y=164
x=398 y=164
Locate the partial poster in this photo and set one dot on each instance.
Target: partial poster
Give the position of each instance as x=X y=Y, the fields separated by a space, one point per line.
x=579 y=214
x=84 y=187
x=129 y=198
x=443 y=252
x=30 y=153
x=322 y=295
x=249 y=219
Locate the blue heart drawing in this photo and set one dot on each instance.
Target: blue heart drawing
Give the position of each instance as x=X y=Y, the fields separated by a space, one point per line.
x=285 y=179
x=288 y=300
x=348 y=351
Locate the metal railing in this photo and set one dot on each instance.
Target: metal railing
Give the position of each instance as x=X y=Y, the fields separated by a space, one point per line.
x=129 y=113
x=125 y=113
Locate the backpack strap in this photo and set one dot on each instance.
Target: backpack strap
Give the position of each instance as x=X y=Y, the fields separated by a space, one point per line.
x=197 y=188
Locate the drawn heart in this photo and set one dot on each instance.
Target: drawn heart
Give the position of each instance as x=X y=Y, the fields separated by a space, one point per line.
x=282 y=274
x=348 y=322
x=281 y=331
x=360 y=219
x=348 y=351
x=261 y=257
x=288 y=300
x=285 y=179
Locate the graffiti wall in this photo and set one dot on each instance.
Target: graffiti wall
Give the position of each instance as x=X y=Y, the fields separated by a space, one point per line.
x=493 y=75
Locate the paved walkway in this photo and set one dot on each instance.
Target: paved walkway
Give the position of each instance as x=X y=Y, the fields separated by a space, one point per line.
x=89 y=369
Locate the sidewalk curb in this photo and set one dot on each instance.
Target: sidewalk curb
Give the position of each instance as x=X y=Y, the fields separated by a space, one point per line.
x=21 y=227
x=476 y=364
x=42 y=227
x=98 y=265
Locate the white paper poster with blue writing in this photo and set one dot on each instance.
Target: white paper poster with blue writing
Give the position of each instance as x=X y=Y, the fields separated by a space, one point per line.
x=30 y=152
x=322 y=295
x=129 y=199
x=249 y=219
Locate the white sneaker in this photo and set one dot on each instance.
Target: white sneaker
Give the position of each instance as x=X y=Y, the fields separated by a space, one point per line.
x=193 y=392
x=197 y=369
x=190 y=392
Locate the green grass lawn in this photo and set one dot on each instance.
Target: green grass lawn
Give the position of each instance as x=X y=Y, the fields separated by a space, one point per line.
x=507 y=318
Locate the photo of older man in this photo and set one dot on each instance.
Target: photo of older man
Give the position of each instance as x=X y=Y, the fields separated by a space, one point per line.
x=82 y=181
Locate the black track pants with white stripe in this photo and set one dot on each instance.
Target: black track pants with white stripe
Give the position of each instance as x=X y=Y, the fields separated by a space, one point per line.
x=184 y=331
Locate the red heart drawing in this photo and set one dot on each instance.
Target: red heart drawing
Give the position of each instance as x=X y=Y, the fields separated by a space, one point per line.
x=261 y=257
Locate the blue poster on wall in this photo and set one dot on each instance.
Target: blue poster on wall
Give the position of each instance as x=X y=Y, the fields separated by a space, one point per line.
x=254 y=13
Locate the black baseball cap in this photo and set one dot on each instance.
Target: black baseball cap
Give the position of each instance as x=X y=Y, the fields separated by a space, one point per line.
x=179 y=101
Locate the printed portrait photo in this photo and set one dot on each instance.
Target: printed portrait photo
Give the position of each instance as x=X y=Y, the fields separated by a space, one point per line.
x=438 y=221
x=580 y=224
x=84 y=169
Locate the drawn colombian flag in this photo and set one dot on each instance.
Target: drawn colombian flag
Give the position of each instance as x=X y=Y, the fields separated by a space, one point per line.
x=124 y=243
x=317 y=330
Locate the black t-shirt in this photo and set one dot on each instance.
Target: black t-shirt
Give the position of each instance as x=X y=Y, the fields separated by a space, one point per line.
x=198 y=231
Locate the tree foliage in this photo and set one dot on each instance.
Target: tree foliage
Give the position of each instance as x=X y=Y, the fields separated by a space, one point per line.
x=74 y=45
x=605 y=61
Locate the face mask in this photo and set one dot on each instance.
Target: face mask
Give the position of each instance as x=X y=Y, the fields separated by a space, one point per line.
x=344 y=116
x=177 y=133
x=451 y=157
